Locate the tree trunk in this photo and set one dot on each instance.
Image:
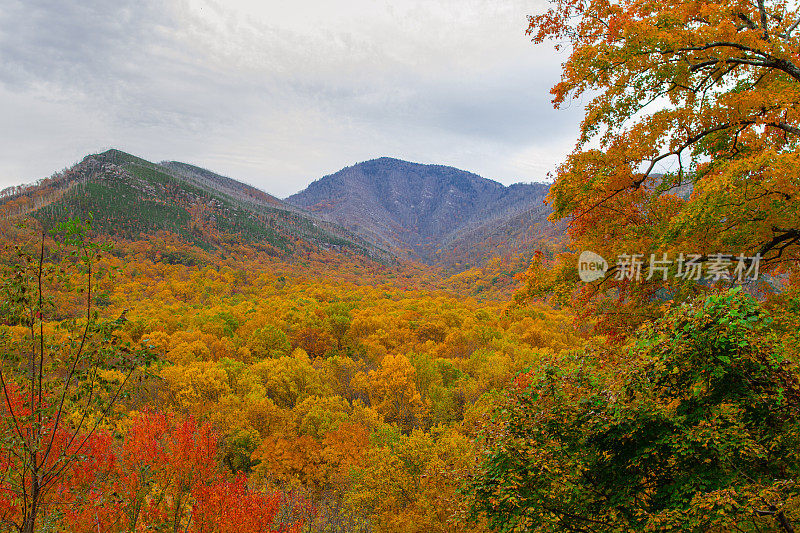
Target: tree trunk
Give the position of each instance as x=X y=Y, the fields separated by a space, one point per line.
x=784 y=522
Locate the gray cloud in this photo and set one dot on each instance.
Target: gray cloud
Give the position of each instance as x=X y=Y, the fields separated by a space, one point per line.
x=277 y=95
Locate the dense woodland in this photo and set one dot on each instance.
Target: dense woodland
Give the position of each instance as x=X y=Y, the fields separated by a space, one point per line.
x=202 y=380
x=344 y=392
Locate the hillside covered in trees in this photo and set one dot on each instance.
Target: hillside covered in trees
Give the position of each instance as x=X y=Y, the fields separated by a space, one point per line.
x=347 y=392
x=433 y=213
x=182 y=352
x=132 y=197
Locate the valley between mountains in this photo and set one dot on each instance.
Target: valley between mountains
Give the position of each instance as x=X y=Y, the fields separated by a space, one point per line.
x=402 y=347
x=385 y=208
x=397 y=348
x=324 y=362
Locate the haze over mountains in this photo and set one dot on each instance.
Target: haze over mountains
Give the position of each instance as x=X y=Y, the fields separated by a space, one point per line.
x=384 y=208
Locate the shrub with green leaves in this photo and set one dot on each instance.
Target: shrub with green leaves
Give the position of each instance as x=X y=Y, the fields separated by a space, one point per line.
x=694 y=427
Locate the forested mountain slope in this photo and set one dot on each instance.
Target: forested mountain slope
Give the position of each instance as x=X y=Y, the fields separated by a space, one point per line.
x=130 y=197
x=433 y=213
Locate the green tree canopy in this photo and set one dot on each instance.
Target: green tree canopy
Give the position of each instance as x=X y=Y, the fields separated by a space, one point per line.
x=696 y=427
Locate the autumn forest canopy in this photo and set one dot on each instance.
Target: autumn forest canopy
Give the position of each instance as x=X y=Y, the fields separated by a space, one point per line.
x=182 y=352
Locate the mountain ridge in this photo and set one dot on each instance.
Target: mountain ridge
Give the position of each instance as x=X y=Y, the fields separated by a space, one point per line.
x=384 y=208
x=427 y=211
x=131 y=197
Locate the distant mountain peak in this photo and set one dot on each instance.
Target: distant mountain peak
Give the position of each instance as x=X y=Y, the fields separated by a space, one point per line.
x=424 y=211
x=434 y=213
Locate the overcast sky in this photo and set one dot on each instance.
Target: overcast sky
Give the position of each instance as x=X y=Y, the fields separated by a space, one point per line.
x=279 y=93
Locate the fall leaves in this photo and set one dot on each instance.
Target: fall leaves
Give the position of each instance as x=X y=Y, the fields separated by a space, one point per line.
x=690 y=137
x=335 y=394
x=693 y=426
x=350 y=402
x=166 y=475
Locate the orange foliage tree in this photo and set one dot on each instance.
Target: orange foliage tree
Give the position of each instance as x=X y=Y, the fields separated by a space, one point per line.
x=167 y=477
x=690 y=138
